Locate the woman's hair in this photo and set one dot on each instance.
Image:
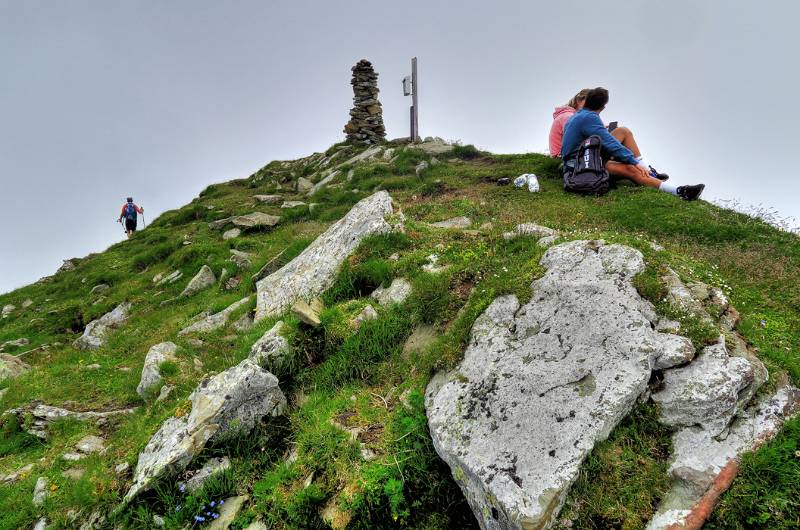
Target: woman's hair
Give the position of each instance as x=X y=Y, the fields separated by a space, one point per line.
x=577 y=98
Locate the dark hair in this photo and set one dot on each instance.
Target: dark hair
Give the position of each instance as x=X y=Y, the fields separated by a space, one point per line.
x=130 y=199
x=596 y=99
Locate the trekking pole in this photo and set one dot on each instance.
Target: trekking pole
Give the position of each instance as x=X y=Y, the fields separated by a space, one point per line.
x=144 y=225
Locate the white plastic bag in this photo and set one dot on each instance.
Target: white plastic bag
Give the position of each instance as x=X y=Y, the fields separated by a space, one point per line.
x=533 y=183
x=521 y=180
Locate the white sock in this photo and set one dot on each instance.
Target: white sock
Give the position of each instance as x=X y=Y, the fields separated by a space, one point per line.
x=668 y=188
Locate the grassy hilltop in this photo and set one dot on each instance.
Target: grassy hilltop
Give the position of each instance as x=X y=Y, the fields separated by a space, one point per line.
x=339 y=378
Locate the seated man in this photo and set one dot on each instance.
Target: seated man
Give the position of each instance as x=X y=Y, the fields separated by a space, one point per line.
x=619 y=160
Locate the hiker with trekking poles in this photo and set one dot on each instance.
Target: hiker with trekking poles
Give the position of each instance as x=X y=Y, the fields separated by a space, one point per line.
x=129 y=211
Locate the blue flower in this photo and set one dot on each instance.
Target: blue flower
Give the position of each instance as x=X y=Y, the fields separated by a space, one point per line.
x=215 y=516
x=182 y=488
x=221 y=503
x=212 y=504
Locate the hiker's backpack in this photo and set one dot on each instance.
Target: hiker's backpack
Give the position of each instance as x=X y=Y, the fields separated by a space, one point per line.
x=130 y=212
x=589 y=176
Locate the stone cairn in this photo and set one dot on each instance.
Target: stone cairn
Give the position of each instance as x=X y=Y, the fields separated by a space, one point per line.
x=366 y=117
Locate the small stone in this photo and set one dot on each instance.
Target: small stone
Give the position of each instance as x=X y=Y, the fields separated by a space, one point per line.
x=203 y=279
x=91 y=444
x=308 y=313
x=230 y=234
x=211 y=468
x=164 y=393
x=72 y=457
x=41 y=524
x=27 y=303
x=255 y=220
x=198 y=364
x=121 y=469
x=368 y=313
x=230 y=509
x=40 y=491
x=396 y=293
x=292 y=204
x=241 y=259
x=93 y=366
x=304 y=185
x=100 y=289
x=74 y=473
x=22 y=472
x=8 y=309
x=268 y=199
x=422 y=166
x=158 y=521
x=452 y=223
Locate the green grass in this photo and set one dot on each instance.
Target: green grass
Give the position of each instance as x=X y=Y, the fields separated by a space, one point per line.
x=337 y=373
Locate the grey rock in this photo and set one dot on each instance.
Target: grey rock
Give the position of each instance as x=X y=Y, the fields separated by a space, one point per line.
x=15 y=343
x=122 y=468
x=699 y=457
x=91 y=444
x=432 y=266
x=368 y=313
x=215 y=321
x=73 y=457
x=244 y=322
x=681 y=297
x=314 y=270
x=541 y=383
x=37 y=416
x=364 y=156
x=255 y=220
x=396 y=293
x=100 y=288
x=74 y=473
x=164 y=393
x=209 y=469
x=547 y=241
x=94 y=336
x=292 y=204
x=271 y=349
x=269 y=199
x=436 y=146
x=235 y=399
x=158 y=521
x=241 y=259
x=530 y=229
x=219 y=223
x=324 y=182
x=455 y=222
x=41 y=524
x=304 y=185
x=422 y=337
x=27 y=303
x=11 y=366
x=8 y=309
x=40 y=491
x=308 y=312
x=66 y=266
x=172 y=277
x=93 y=366
x=705 y=392
x=16 y=475
x=203 y=279
x=422 y=166
x=228 y=512
x=231 y=234
x=256 y=525
x=151 y=373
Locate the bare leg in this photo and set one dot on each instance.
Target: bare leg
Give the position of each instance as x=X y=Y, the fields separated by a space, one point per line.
x=632 y=173
x=625 y=137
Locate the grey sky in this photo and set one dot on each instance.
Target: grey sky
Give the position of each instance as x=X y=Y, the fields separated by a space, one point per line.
x=104 y=99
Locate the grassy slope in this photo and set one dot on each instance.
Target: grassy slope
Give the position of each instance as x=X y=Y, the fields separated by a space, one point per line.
x=357 y=379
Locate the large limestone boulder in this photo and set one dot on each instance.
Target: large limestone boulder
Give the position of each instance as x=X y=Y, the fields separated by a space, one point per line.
x=271 y=349
x=151 y=373
x=203 y=279
x=705 y=392
x=541 y=383
x=94 y=336
x=235 y=399
x=313 y=271
x=11 y=366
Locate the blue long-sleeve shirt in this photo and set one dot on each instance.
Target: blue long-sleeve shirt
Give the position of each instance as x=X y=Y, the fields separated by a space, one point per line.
x=584 y=124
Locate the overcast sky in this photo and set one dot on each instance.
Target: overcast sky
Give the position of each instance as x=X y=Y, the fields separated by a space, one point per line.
x=103 y=99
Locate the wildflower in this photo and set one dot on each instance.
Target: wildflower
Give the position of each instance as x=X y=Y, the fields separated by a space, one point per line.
x=178 y=508
x=182 y=488
x=212 y=504
x=215 y=516
x=221 y=503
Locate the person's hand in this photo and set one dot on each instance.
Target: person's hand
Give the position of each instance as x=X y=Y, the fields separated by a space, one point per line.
x=643 y=172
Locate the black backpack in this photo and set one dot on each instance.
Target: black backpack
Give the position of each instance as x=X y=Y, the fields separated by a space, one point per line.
x=589 y=176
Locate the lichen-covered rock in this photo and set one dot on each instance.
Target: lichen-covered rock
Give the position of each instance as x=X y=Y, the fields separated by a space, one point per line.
x=269 y=199
x=215 y=321
x=699 y=457
x=235 y=399
x=530 y=229
x=308 y=312
x=396 y=293
x=541 y=383
x=255 y=220
x=36 y=416
x=40 y=491
x=455 y=222
x=368 y=313
x=204 y=278
x=11 y=366
x=270 y=350
x=209 y=469
x=314 y=270
x=705 y=392
x=151 y=373
x=94 y=336
x=241 y=259
x=324 y=182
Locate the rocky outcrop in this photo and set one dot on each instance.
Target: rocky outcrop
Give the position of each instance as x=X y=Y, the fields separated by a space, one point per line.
x=703 y=465
x=235 y=399
x=36 y=417
x=151 y=373
x=541 y=383
x=396 y=293
x=705 y=392
x=314 y=270
x=211 y=322
x=11 y=366
x=366 y=117
x=203 y=279
x=271 y=349
x=94 y=336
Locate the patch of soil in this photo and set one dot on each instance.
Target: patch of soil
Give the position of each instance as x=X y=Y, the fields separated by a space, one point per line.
x=345 y=417
x=371 y=434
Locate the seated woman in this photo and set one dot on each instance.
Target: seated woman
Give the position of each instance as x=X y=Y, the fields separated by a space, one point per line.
x=560 y=117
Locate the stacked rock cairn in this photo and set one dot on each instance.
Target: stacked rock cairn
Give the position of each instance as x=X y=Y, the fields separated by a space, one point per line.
x=366 y=117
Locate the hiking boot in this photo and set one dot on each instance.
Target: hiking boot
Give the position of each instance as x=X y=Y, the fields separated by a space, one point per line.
x=663 y=177
x=690 y=193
